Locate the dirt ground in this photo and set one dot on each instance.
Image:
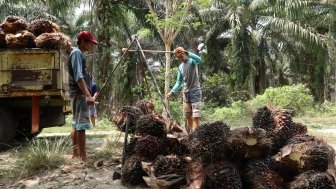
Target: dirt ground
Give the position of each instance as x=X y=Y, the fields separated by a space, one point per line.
x=74 y=174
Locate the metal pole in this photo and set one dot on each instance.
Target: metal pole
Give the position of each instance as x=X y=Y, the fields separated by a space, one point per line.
x=114 y=69
x=154 y=80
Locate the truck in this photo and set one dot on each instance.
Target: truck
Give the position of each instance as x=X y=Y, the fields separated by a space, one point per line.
x=34 y=92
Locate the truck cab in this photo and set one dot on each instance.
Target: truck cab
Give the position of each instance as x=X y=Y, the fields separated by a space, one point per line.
x=33 y=91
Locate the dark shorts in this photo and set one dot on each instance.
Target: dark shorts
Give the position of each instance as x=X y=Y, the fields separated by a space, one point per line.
x=93 y=111
x=80 y=113
x=192 y=103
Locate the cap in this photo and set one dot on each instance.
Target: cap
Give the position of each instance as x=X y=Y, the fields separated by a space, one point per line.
x=179 y=50
x=87 y=36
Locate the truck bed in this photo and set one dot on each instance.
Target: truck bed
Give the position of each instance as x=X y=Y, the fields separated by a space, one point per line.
x=33 y=72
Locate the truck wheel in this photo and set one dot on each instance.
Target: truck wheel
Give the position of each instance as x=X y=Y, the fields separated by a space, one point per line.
x=8 y=126
x=23 y=133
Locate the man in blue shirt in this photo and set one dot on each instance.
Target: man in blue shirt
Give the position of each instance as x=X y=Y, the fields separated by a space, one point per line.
x=188 y=78
x=80 y=93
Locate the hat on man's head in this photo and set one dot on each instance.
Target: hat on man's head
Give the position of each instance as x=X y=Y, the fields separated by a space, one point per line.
x=86 y=36
x=180 y=50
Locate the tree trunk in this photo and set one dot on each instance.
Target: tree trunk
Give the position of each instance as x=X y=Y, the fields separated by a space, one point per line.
x=167 y=76
x=252 y=85
x=105 y=61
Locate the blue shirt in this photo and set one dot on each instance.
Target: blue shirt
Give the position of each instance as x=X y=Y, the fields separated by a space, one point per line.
x=188 y=75
x=77 y=70
x=93 y=88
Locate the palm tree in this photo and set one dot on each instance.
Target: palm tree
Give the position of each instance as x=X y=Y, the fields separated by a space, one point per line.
x=260 y=30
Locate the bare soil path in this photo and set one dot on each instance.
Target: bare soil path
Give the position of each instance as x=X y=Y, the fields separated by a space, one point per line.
x=73 y=175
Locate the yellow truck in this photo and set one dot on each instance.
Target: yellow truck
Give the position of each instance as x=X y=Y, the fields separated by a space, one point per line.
x=33 y=91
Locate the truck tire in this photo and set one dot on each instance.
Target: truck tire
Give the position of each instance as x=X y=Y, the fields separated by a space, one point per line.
x=8 y=126
x=23 y=133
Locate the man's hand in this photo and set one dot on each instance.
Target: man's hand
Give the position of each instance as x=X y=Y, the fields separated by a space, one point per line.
x=90 y=100
x=170 y=94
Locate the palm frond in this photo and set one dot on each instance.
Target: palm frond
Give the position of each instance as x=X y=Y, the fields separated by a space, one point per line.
x=295 y=30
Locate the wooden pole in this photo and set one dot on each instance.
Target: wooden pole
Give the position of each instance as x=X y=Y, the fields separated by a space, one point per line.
x=125 y=140
x=149 y=51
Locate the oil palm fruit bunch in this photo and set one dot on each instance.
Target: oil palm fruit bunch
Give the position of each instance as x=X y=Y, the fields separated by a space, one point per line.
x=13 y=24
x=149 y=125
x=251 y=143
x=149 y=147
x=53 y=41
x=209 y=142
x=40 y=26
x=126 y=114
x=22 y=39
x=264 y=119
x=296 y=158
x=262 y=173
x=221 y=175
x=313 y=180
x=171 y=164
x=131 y=172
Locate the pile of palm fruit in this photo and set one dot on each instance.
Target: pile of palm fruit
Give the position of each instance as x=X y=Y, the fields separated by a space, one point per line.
x=274 y=153
x=16 y=33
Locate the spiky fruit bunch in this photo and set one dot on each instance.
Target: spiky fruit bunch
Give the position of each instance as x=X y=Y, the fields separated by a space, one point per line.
x=38 y=27
x=149 y=125
x=282 y=118
x=2 y=39
x=176 y=146
x=195 y=174
x=209 y=142
x=127 y=113
x=149 y=147
x=166 y=165
x=294 y=159
x=302 y=138
x=130 y=148
x=13 y=24
x=142 y=105
x=222 y=175
x=22 y=39
x=53 y=41
x=131 y=172
x=313 y=180
x=285 y=129
x=261 y=174
x=264 y=119
x=249 y=143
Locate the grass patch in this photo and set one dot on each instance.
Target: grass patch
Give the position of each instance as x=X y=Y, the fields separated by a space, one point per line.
x=102 y=124
x=43 y=154
x=322 y=122
x=111 y=146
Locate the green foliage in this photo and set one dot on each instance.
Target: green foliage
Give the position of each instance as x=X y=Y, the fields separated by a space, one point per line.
x=175 y=105
x=324 y=109
x=236 y=110
x=44 y=154
x=295 y=97
x=214 y=91
x=203 y=3
x=144 y=33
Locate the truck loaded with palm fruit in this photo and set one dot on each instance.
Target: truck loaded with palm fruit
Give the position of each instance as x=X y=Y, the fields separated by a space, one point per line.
x=33 y=78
